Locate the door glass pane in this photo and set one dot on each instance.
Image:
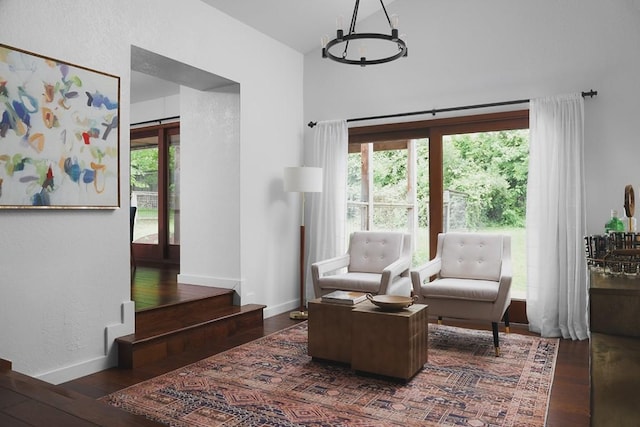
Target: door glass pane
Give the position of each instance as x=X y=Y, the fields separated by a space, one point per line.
x=485 y=189
x=388 y=189
x=144 y=188
x=174 y=190
x=421 y=245
x=357 y=210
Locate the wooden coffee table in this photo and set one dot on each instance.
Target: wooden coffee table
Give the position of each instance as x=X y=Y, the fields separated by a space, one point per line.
x=329 y=327
x=386 y=343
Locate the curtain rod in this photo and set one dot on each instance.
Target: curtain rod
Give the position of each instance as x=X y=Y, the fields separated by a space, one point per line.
x=591 y=93
x=158 y=121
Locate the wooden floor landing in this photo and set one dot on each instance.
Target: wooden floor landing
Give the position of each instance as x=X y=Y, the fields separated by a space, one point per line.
x=153 y=287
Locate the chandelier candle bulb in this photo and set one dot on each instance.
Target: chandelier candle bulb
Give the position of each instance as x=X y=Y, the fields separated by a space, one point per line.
x=394 y=21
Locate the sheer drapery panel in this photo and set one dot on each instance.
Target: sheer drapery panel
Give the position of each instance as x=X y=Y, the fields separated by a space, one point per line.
x=556 y=221
x=326 y=211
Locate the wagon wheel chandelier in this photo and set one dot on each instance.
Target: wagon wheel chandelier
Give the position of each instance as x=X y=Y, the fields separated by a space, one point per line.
x=342 y=39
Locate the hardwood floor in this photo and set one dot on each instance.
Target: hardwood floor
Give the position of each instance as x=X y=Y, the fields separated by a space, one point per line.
x=569 y=405
x=153 y=286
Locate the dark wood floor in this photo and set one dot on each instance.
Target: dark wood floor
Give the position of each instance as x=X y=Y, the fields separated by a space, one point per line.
x=154 y=286
x=569 y=405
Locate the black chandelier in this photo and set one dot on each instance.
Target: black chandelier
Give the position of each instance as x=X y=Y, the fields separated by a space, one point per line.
x=341 y=38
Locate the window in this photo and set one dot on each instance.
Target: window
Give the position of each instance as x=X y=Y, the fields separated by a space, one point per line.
x=462 y=173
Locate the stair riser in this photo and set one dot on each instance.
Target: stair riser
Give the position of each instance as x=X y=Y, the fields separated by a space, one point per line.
x=141 y=353
x=180 y=315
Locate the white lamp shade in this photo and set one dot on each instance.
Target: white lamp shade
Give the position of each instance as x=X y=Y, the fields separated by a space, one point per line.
x=303 y=179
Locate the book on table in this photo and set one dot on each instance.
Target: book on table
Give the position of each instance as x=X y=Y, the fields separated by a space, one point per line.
x=344 y=297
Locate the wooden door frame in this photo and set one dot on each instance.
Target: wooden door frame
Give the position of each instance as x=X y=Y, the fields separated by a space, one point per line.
x=163 y=252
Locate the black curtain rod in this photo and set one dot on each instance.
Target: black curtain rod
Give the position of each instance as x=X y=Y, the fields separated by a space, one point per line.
x=158 y=121
x=591 y=93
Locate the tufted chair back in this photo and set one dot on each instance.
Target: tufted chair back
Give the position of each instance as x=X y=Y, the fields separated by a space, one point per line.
x=472 y=256
x=377 y=262
x=372 y=251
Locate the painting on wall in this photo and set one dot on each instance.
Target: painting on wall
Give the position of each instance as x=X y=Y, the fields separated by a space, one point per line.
x=59 y=136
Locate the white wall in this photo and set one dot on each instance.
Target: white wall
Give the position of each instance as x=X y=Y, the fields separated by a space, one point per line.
x=211 y=180
x=64 y=275
x=466 y=52
x=154 y=109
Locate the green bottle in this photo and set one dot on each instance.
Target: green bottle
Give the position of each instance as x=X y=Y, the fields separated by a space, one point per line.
x=615 y=224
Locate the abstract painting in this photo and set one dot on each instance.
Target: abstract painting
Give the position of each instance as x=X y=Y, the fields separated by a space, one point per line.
x=59 y=136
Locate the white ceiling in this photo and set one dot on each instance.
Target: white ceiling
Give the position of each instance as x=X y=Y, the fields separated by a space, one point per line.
x=296 y=23
x=145 y=87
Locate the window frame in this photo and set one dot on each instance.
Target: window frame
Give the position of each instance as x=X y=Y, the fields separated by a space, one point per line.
x=435 y=129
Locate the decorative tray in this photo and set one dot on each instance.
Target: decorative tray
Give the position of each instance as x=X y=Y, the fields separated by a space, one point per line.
x=391 y=302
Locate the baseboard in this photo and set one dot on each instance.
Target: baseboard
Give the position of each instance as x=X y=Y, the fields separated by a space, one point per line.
x=286 y=307
x=236 y=285
x=214 y=282
x=100 y=363
x=126 y=326
x=68 y=373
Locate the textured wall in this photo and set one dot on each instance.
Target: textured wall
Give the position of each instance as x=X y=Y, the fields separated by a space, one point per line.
x=64 y=276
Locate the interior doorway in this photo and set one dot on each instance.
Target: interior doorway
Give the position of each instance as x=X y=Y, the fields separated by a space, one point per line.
x=157 y=90
x=155 y=192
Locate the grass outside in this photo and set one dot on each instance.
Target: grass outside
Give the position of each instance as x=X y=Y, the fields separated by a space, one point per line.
x=145 y=229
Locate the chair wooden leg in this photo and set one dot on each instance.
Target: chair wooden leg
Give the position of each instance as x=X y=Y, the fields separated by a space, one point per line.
x=506 y=321
x=496 y=339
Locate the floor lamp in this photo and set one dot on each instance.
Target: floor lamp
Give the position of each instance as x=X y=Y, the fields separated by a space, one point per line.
x=302 y=180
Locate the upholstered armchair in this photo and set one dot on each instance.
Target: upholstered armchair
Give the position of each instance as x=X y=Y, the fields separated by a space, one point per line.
x=471 y=279
x=376 y=262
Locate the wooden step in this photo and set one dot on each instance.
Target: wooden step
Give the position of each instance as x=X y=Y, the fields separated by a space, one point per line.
x=5 y=365
x=189 y=329
x=27 y=401
x=178 y=315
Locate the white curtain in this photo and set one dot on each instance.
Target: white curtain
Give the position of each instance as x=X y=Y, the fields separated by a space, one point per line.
x=326 y=211
x=556 y=224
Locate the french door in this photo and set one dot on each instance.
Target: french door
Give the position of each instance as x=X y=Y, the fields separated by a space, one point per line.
x=155 y=190
x=461 y=173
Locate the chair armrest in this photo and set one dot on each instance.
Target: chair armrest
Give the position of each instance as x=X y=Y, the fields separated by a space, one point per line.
x=504 y=288
x=423 y=272
x=399 y=267
x=331 y=264
x=320 y=268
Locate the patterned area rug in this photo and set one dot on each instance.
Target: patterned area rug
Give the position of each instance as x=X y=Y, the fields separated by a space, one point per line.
x=272 y=382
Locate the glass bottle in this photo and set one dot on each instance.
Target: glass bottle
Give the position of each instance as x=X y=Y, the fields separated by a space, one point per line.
x=614 y=224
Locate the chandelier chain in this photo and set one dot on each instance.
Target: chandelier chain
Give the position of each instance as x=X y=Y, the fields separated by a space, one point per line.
x=352 y=27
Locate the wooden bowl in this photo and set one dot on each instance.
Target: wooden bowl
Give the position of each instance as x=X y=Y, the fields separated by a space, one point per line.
x=391 y=302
